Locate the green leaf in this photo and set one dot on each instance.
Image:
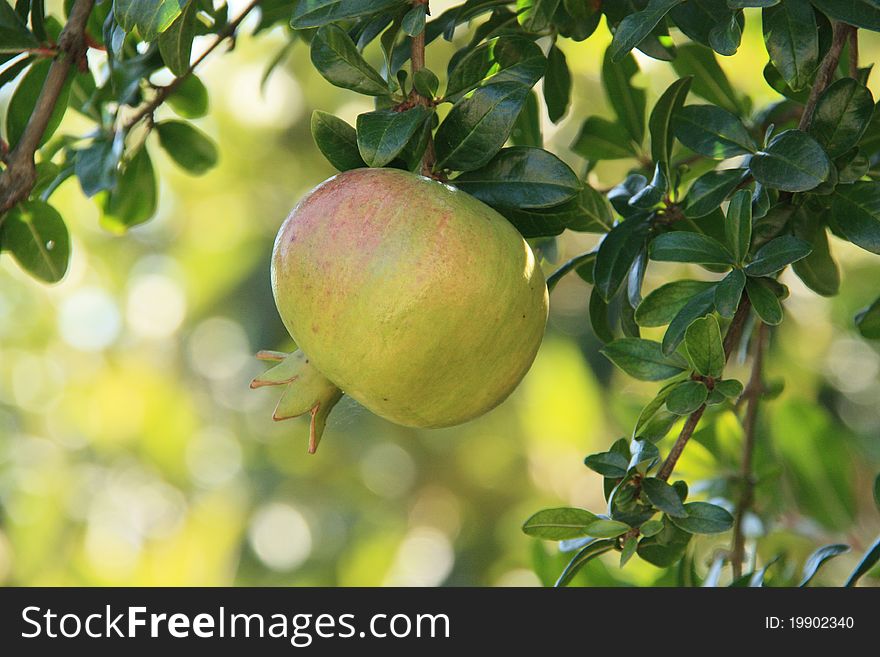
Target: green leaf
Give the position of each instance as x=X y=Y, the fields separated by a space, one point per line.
x=582 y=558
x=877 y=491
x=704 y=518
x=686 y=397
x=599 y=320
x=617 y=252
x=726 y=36
x=702 y=339
x=842 y=116
x=709 y=80
x=559 y=524
x=315 y=13
x=535 y=15
x=527 y=127
x=636 y=26
x=557 y=85
x=730 y=388
x=643 y=359
x=728 y=293
x=414 y=20
x=337 y=141
x=712 y=131
x=606 y=528
x=738 y=225
x=150 y=17
x=587 y=212
x=663 y=496
x=868 y=322
x=855 y=209
x=764 y=301
x=816 y=560
x=792 y=162
x=710 y=190
x=608 y=464
x=24 y=100
x=502 y=59
x=684 y=246
x=660 y=121
x=175 y=43
x=426 y=81
x=698 y=306
x=14 y=34
x=792 y=40
x=665 y=547
x=628 y=551
x=133 y=200
x=776 y=254
x=627 y=101
x=190 y=98
x=336 y=58
x=664 y=303
x=872 y=556
x=477 y=126
x=601 y=139
x=383 y=134
x=188 y=146
x=651 y=528
x=522 y=177
x=35 y=234
x=96 y=165
x=861 y=13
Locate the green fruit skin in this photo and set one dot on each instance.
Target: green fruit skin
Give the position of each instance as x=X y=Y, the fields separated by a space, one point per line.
x=416 y=299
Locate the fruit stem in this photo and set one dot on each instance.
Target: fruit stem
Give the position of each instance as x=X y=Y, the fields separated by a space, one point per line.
x=417 y=57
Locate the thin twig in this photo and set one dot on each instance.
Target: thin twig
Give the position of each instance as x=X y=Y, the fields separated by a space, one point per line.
x=17 y=181
x=854 y=53
x=826 y=72
x=752 y=396
x=568 y=266
x=417 y=58
x=163 y=92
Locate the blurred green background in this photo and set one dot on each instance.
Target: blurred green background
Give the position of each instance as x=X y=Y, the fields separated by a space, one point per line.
x=133 y=452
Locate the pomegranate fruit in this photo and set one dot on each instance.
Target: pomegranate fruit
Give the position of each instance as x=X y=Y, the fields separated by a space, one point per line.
x=415 y=298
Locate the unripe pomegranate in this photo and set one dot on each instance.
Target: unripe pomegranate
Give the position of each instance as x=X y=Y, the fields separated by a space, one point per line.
x=419 y=301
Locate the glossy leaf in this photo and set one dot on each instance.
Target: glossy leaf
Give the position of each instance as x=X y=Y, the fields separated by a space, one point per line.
x=764 y=301
x=24 y=99
x=776 y=254
x=557 y=85
x=190 y=98
x=792 y=162
x=522 y=177
x=861 y=13
x=704 y=518
x=502 y=59
x=792 y=40
x=335 y=57
x=582 y=558
x=413 y=22
x=728 y=292
x=188 y=146
x=383 y=134
x=738 y=225
x=710 y=190
x=868 y=323
x=559 y=524
x=818 y=558
x=664 y=303
x=588 y=212
x=871 y=558
x=535 y=15
x=842 y=116
x=686 y=397
x=95 y=166
x=315 y=13
x=627 y=101
x=150 y=17
x=35 y=234
x=527 y=127
x=684 y=246
x=660 y=121
x=730 y=388
x=712 y=131
x=638 y=25
x=856 y=211
x=14 y=34
x=336 y=140
x=601 y=139
x=175 y=43
x=698 y=306
x=663 y=496
x=616 y=254
x=704 y=346
x=608 y=464
x=643 y=359
x=709 y=80
x=133 y=200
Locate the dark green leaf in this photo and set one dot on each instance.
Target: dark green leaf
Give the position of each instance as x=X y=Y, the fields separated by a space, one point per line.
x=684 y=246
x=527 y=128
x=95 y=166
x=776 y=254
x=877 y=491
x=190 y=98
x=643 y=359
x=608 y=464
x=383 y=134
x=591 y=551
x=24 y=99
x=559 y=524
x=601 y=139
x=861 y=13
x=665 y=547
x=872 y=556
x=191 y=148
x=643 y=452
x=664 y=303
x=314 y=13
x=535 y=15
x=704 y=518
x=636 y=26
x=175 y=43
x=660 y=121
x=699 y=305
x=557 y=85
x=14 y=34
x=663 y=496
x=133 y=200
x=426 y=82
x=868 y=321
x=725 y=37
x=617 y=252
x=728 y=293
x=629 y=549
x=599 y=317
x=792 y=40
x=709 y=80
x=35 y=234
x=627 y=101
x=478 y=125
x=587 y=212
x=503 y=59
x=792 y=162
x=841 y=116
x=686 y=397
x=856 y=211
x=337 y=141
x=738 y=225
x=710 y=190
x=414 y=20
x=150 y=17
x=336 y=58
x=522 y=177
x=764 y=301
x=704 y=347
x=816 y=560
x=730 y=388
x=712 y=131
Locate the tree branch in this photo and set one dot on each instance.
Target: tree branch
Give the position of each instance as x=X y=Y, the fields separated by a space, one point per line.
x=731 y=339
x=752 y=397
x=163 y=92
x=417 y=58
x=854 y=53
x=825 y=72
x=20 y=175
